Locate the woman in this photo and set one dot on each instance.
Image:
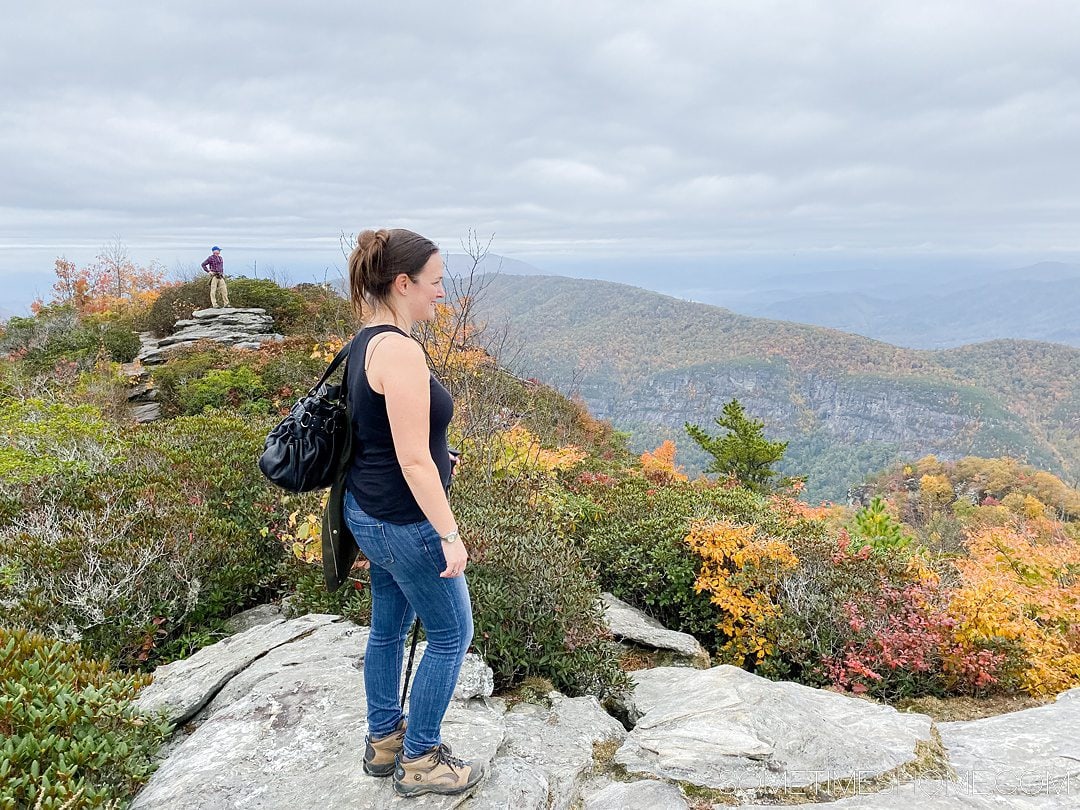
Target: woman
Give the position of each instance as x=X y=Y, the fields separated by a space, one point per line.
x=397 y=509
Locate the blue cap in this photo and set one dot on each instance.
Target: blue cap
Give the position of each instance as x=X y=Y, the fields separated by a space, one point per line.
x=215 y=247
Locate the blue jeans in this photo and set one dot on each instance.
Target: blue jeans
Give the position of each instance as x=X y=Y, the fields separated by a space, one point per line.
x=406 y=560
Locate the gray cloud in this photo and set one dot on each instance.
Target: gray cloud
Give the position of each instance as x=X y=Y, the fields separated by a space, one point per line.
x=589 y=128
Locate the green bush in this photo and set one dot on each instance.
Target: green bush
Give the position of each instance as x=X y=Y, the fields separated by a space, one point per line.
x=120 y=341
x=57 y=334
x=536 y=609
x=325 y=312
x=224 y=388
x=215 y=376
x=69 y=735
x=283 y=305
x=176 y=303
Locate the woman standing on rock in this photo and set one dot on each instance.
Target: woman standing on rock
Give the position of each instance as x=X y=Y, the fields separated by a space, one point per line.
x=397 y=509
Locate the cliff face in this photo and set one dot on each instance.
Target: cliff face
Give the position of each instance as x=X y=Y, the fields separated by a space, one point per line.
x=840 y=427
x=847 y=405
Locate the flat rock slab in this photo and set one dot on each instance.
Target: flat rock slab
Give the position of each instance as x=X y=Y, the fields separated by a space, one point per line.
x=627 y=622
x=1022 y=751
x=288 y=732
x=216 y=312
x=725 y=728
x=558 y=741
x=645 y=794
x=927 y=794
x=182 y=688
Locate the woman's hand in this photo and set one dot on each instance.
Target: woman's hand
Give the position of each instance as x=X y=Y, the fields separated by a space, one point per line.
x=457 y=557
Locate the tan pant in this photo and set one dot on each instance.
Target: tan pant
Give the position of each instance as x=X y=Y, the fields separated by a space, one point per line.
x=217 y=283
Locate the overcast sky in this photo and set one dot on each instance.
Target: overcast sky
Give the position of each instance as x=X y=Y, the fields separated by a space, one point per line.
x=801 y=134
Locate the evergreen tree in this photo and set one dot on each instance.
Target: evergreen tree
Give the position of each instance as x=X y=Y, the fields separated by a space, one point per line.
x=743 y=451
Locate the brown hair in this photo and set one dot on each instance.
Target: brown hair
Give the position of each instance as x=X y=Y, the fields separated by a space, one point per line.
x=380 y=257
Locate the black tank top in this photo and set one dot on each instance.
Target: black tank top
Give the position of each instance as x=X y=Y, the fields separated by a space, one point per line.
x=375 y=478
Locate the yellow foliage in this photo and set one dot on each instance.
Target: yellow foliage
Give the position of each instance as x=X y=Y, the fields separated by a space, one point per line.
x=328 y=349
x=522 y=453
x=739 y=571
x=936 y=490
x=450 y=340
x=659 y=465
x=302 y=536
x=1022 y=588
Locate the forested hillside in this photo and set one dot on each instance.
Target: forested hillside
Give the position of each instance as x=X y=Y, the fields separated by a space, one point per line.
x=849 y=405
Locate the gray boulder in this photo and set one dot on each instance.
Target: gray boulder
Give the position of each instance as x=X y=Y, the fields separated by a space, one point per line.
x=558 y=741
x=726 y=728
x=287 y=727
x=627 y=622
x=1035 y=752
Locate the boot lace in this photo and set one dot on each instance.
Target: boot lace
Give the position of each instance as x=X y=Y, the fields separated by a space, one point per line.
x=443 y=755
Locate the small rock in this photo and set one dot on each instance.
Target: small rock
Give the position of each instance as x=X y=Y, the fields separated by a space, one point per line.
x=629 y=623
x=146 y=412
x=254 y=617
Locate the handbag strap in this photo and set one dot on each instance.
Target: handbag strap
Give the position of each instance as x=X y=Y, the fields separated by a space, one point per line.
x=341 y=355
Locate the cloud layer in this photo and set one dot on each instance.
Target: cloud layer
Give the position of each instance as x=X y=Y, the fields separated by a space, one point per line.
x=590 y=128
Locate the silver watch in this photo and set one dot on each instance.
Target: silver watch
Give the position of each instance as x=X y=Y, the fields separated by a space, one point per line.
x=452 y=537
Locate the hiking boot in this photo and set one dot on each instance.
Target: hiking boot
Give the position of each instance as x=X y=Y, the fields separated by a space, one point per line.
x=435 y=772
x=380 y=754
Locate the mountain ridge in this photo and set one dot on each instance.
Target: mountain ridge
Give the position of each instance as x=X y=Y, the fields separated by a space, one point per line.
x=651 y=362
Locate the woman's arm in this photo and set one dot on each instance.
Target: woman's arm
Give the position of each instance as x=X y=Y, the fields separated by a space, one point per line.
x=398 y=368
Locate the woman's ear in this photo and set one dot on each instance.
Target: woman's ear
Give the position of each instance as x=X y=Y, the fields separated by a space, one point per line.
x=401 y=283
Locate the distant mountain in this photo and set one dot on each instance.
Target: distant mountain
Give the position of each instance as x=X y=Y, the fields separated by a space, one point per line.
x=849 y=405
x=459 y=263
x=1041 y=302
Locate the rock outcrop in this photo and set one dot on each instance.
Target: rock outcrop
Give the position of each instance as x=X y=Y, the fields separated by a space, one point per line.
x=243 y=328
x=276 y=718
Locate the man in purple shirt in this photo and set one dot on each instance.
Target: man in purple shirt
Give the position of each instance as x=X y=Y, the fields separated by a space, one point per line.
x=216 y=268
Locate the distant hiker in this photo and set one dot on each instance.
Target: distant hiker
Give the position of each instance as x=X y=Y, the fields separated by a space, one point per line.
x=215 y=266
x=397 y=509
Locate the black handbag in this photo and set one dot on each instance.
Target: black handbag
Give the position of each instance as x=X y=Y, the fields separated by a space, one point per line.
x=307 y=449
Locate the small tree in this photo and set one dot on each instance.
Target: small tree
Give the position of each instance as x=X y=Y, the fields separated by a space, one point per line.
x=743 y=452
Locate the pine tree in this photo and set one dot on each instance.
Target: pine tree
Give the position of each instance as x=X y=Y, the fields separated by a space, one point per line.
x=743 y=451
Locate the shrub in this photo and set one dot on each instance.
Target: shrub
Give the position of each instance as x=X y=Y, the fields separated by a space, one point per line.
x=137 y=556
x=283 y=305
x=740 y=569
x=176 y=303
x=57 y=334
x=1022 y=590
x=69 y=735
x=536 y=609
x=325 y=313
x=212 y=375
x=221 y=388
x=120 y=341
x=636 y=542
